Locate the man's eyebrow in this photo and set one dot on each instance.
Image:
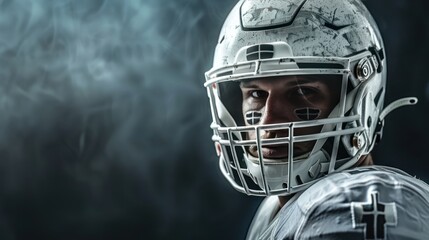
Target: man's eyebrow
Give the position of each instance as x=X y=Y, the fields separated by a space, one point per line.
x=248 y=84
x=254 y=83
x=308 y=79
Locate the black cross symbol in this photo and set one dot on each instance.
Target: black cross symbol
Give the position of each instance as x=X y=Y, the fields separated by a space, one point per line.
x=374 y=217
x=262 y=51
x=253 y=117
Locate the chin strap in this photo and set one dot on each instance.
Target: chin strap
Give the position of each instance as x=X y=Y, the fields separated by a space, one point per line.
x=396 y=104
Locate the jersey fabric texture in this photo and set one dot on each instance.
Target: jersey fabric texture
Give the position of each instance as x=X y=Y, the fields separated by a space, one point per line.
x=373 y=202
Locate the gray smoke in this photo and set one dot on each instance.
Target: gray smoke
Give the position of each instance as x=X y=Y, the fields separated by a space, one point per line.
x=102 y=110
x=427 y=91
x=104 y=120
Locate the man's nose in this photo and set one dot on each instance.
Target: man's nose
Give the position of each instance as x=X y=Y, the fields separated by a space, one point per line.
x=275 y=110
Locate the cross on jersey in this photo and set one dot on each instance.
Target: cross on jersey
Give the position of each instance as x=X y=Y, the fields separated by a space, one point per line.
x=253 y=117
x=374 y=216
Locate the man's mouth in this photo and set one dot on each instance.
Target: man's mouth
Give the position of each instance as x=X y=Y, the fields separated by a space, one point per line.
x=275 y=151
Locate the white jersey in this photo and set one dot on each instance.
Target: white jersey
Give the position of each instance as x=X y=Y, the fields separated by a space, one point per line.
x=372 y=202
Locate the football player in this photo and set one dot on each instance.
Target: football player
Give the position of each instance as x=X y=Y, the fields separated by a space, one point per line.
x=297 y=98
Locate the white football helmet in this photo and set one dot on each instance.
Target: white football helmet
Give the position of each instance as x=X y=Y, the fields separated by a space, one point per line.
x=336 y=40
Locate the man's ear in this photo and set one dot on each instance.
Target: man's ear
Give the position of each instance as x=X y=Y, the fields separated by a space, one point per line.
x=218 y=149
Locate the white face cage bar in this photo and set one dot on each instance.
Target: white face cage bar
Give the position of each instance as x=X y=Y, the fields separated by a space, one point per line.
x=227 y=167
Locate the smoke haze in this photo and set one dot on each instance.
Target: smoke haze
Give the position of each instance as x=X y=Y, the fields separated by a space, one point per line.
x=104 y=119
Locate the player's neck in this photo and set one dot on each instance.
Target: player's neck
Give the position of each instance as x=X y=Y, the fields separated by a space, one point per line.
x=365 y=160
x=284 y=199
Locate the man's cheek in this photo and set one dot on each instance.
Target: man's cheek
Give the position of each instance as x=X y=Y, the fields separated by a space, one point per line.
x=251 y=135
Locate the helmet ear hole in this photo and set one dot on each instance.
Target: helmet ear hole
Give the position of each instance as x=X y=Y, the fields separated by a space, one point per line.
x=369 y=121
x=299 y=180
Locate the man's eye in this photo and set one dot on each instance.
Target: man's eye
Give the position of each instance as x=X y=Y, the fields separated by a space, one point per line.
x=258 y=94
x=305 y=91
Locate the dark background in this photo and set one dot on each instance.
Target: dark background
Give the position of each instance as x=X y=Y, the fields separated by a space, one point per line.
x=104 y=121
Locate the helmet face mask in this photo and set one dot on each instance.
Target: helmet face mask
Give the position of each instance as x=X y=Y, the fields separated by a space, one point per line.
x=284 y=116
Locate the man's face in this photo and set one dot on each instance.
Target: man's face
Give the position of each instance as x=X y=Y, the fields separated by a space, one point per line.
x=288 y=99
